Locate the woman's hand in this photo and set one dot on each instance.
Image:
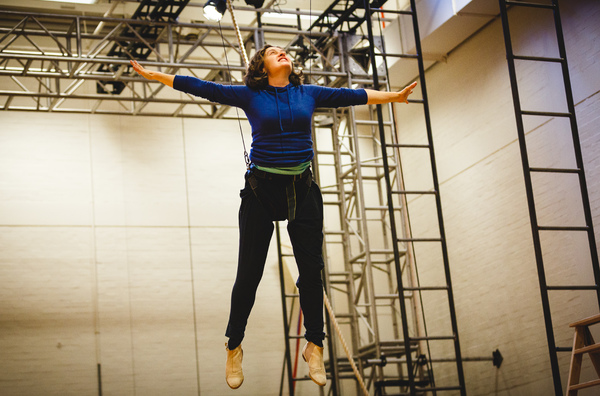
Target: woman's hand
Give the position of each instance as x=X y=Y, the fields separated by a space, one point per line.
x=381 y=97
x=405 y=93
x=166 y=79
x=140 y=70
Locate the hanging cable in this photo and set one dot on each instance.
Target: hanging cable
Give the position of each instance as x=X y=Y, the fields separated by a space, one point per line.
x=246 y=156
x=246 y=63
x=310 y=38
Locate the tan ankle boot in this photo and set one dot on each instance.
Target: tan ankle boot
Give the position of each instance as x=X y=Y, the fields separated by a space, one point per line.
x=233 y=368
x=316 y=367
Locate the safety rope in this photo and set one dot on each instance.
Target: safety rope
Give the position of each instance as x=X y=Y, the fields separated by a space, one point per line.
x=343 y=341
x=238 y=34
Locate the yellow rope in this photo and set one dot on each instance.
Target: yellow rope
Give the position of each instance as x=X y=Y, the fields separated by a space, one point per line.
x=238 y=34
x=339 y=332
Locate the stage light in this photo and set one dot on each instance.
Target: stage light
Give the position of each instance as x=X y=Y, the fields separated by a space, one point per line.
x=215 y=9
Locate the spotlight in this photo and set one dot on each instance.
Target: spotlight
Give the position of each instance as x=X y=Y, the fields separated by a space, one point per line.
x=215 y=9
x=255 y=3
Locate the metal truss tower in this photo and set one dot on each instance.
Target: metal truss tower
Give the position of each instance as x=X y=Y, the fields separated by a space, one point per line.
x=371 y=251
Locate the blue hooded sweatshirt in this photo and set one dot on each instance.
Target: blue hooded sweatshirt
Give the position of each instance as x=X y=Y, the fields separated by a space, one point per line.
x=280 y=118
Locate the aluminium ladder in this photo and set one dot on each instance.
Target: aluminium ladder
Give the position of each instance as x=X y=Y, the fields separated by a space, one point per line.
x=371 y=274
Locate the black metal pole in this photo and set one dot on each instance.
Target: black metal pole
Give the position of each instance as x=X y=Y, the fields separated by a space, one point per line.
x=402 y=300
x=452 y=308
x=577 y=146
x=531 y=202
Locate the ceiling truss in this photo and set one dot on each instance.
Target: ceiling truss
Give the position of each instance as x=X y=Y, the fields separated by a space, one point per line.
x=68 y=63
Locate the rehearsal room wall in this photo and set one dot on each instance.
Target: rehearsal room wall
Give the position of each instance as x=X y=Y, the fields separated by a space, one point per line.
x=119 y=248
x=118 y=235
x=483 y=194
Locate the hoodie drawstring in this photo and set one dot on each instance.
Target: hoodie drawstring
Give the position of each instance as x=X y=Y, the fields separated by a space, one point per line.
x=278 y=111
x=289 y=107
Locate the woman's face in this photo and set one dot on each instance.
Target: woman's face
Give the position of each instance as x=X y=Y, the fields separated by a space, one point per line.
x=277 y=60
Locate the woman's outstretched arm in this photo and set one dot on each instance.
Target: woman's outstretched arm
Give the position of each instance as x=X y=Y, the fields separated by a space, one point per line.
x=380 y=97
x=166 y=79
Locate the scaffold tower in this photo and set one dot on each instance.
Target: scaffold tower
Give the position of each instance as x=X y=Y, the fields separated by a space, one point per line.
x=371 y=251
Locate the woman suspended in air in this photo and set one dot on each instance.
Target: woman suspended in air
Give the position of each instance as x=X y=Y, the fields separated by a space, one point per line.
x=278 y=186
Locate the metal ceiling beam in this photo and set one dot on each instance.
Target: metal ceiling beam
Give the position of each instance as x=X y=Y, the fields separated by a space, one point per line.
x=50 y=56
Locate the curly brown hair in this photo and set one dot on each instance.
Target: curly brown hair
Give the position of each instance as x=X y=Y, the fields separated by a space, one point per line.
x=256 y=77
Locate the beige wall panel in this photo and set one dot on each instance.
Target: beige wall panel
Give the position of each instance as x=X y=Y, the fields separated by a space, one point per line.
x=117 y=355
x=142 y=164
x=463 y=134
x=494 y=271
x=215 y=169
x=108 y=170
x=44 y=170
x=583 y=47
x=46 y=312
x=588 y=118
x=154 y=171
x=162 y=321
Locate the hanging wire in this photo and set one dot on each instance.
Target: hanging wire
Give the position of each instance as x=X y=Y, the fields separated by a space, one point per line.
x=246 y=156
x=310 y=38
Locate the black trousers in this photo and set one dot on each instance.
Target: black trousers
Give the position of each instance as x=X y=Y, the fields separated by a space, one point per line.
x=266 y=198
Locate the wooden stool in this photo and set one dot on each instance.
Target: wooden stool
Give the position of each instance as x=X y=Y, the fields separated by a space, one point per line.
x=583 y=343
